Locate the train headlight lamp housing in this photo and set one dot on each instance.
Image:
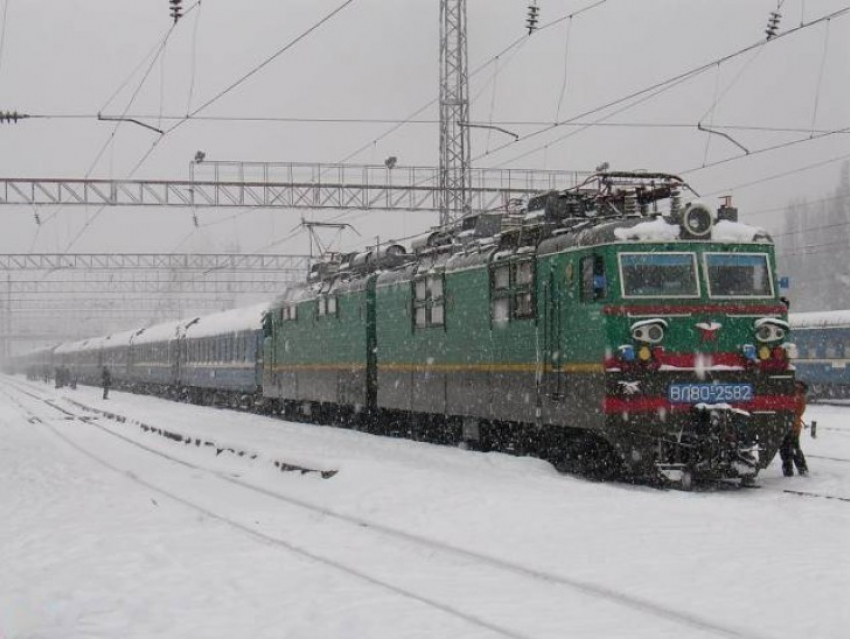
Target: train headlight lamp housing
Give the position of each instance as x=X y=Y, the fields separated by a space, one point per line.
x=769 y=329
x=764 y=353
x=697 y=220
x=645 y=353
x=649 y=331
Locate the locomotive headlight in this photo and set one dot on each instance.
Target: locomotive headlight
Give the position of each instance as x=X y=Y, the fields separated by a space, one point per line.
x=764 y=353
x=697 y=220
x=649 y=331
x=769 y=329
x=644 y=353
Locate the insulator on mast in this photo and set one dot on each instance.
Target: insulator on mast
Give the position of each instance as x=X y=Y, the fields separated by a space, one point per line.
x=773 y=24
x=176 y=9
x=11 y=117
x=533 y=17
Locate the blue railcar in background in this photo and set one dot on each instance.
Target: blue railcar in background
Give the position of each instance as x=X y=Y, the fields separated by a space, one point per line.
x=823 y=349
x=210 y=359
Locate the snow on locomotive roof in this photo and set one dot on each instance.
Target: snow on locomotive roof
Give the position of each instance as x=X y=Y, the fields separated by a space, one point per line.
x=726 y=231
x=657 y=230
x=661 y=230
x=233 y=321
x=820 y=319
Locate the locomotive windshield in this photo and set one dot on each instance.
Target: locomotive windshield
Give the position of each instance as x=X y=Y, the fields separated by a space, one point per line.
x=738 y=275
x=659 y=274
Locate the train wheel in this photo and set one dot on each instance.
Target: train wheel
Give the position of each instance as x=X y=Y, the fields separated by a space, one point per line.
x=748 y=482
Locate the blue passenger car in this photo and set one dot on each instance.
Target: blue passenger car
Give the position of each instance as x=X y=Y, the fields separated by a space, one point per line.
x=823 y=349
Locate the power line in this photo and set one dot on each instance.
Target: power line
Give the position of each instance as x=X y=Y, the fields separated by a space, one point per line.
x=426 y=121
x=777 y=176
x=517 y=43
x=806 y=203
x=3 y=31
x=659 y=87
x=90 y=220
x=262 y=65
x=767 y=149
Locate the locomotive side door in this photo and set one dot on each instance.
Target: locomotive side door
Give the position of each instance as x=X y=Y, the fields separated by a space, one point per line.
x=553 y=373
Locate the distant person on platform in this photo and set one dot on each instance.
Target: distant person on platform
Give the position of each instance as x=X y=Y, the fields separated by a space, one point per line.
x=106 y=380
x=790 y=451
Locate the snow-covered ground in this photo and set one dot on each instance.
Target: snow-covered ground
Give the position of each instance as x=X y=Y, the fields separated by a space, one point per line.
x=108 y=530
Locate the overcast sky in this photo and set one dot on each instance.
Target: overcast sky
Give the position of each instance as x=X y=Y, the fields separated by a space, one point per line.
x=379 y=59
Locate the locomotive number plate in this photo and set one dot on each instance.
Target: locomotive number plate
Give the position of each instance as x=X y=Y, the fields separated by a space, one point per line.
x=709 y=393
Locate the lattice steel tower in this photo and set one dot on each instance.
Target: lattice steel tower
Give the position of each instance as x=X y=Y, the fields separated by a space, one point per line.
x=455 y=150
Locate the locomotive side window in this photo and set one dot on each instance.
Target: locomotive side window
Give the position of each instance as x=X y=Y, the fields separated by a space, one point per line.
x=594 y=283
x=502 y=277
x=421 y=317
x=659 y=275
x=523 y=289
x=738 y=275
x=512 y=294
x=289 y=313
x=428 y=301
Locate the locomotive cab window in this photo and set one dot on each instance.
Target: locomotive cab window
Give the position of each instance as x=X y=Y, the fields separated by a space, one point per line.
x=667 y=275
x=594 y=282
x=738 y=275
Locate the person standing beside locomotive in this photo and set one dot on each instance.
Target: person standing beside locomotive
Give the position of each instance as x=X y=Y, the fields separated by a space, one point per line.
x=790 y=451
x=106 y=380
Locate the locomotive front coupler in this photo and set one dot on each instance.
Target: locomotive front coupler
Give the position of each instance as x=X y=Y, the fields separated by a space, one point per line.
x=713 y=443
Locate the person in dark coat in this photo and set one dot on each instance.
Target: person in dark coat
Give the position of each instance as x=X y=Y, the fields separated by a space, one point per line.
x=106 y=380
x=790 y=451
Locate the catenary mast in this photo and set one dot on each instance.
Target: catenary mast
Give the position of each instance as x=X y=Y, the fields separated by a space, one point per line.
x=455 y=150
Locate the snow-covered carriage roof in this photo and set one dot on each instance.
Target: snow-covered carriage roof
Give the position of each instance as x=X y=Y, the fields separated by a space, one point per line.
x=235 y=320
x=820 y=319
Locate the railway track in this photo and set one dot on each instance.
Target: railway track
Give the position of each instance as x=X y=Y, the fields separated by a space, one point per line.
x=406 y=544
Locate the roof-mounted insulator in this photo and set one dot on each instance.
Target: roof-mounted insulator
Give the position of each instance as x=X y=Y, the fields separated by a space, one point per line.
x=773 y=24
x=11 y=117
x=176 y=9
x=533 y=17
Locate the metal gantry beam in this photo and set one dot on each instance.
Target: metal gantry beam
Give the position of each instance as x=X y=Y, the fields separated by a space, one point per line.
x=37 y=307
x=250 y=263
x=292 y=186
x=71 y=296
x=148 y=287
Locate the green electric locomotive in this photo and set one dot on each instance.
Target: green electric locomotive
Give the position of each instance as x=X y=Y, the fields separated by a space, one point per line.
x=590 y=327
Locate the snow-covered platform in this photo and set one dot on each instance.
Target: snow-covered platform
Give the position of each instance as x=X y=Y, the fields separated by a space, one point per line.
x=110 y=529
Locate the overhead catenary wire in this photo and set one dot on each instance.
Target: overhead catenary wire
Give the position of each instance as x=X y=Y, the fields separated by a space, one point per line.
x=194 y=62
x=660 y=87
x=5 y=17
x=768 y=149
x=259 y=67
x=426 y=122
x=820 y=74
x=90 y=220
x=215 y=98
x=517 y=43
x=567 y=42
